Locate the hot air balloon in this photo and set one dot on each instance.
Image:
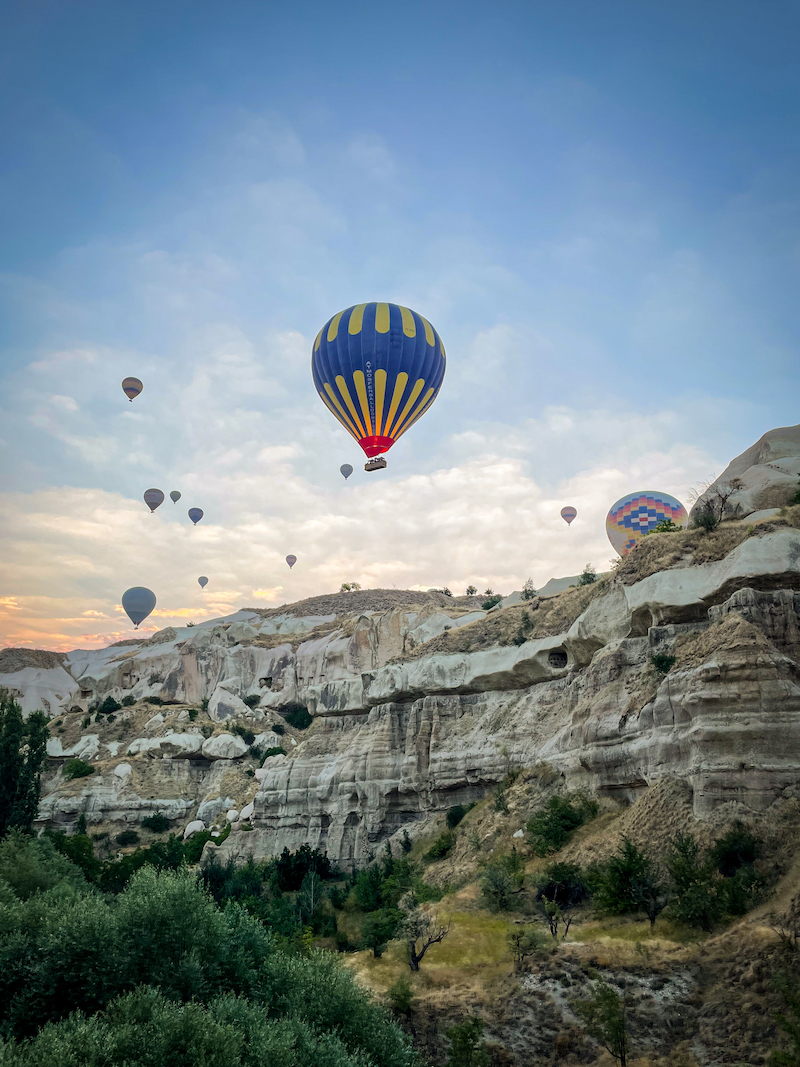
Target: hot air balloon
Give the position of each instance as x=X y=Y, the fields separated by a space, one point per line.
x=345 y=470
x=291 y=560
x=202 y=581
x=636 y=514
x=377 y=368
x=131 y=387
x=195 y=514
x=174 y=496
x=568 y=514
x=154 y=498
x=137 y=603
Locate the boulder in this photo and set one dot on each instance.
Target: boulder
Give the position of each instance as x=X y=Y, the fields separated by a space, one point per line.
x=232 y=816
x=224 y=705
x=247 y=812
x=210 y=809
x=224 y=746
x=193 y=828
x=176 y=746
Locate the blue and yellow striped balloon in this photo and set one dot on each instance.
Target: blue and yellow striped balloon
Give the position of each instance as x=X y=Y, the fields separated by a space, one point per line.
x=378 y=368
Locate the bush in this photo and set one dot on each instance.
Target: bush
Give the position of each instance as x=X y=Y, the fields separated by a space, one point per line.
x=588 y=575
x=500 y=882
x=550 y=829
x=796 y=498
x=128 y=701
x=157 y=701
x=735 y=850
x=466 y=1046
x=154 y=679
x=244 y=732
x=528 y=590
x=278 y=728
x=491 y=601
x=400 y=995
x=665 y=526
x=292 y=867
x=86 y=722
x=192 y=714
x=77 y=768
x=156 y=823
x=629 y=882
x=698 y=901
x=470 y=591
x=109 y=706
x=127 y=837
x=455 y=815
x=441 y=846
x=276 y=750
x=406 y=844
x=662 y=662
x=252 y=701
x=297 y=716
x=706 y=518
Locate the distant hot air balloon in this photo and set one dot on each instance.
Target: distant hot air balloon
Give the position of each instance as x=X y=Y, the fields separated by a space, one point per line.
x=202 y=581
x=345 y=470
x=131 y=387
x=174 y=496
x=568 y=514
x=154 y=498
x=291 y=560
x=137 y=603
x=195 y=514
x=636 y=514
x=377 y=368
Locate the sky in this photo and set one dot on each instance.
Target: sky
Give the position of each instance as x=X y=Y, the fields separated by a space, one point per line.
x=596 y=205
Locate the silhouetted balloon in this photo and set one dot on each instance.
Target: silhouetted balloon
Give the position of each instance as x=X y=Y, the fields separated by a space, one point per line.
x=137 y=603
x=346 y=470
x=195 y=514
x=291 y=560
x=377 y=368
x=568 y=514
x=636 y=514
x=154 y=498
x=202 y=581
x=131 y=387
x=174 y=496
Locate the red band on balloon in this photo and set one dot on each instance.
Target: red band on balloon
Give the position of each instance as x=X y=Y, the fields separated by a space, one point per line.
x=373 y=446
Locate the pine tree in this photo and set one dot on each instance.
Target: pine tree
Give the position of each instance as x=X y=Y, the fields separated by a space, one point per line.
x=23 y=747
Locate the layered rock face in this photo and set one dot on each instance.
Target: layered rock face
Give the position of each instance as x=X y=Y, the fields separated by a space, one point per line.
x=420 y=702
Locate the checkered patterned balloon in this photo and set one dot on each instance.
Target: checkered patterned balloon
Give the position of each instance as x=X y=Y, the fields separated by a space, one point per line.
x=636 y=514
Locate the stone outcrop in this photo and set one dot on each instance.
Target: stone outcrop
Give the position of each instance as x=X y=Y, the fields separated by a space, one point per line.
x=687 y=669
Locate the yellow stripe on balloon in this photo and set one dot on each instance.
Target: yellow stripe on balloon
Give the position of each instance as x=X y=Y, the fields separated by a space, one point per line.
x=349 y=401
x=418 y=412
x=382 y=318
x=399 y=387
x=339 y=414
x=380 y=393
x=356 y=318
x=361 y=389
x=409 y=325
x=345 y=418
x=333 y=329
x=429 y=336
x=419 y=385
x=319 y=338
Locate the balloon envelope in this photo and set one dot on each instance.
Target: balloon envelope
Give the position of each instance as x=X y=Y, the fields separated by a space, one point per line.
x=568 y=514
x=202 y=581
x=377 y=368
x=154 y=498
x=137 y=603
x=195 y=514
x=291 y=560
x=636 y=514
x=346 y=470
x=131 y=387
x=174 y=496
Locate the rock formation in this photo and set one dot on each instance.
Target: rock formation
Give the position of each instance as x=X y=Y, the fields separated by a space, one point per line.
x=685 y=662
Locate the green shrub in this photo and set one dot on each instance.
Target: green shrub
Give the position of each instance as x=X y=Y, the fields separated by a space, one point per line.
x=796 y=498
x=252 y=701
x=192 y=714
x=128 y=701
x=244 y=732
x=157 y=701
x=500 y=883
x=156 y=823
x=736 y=849
x=455 y=815
x=500 y=801
x=698 y=900
x=406 y=844
x=297 y=716
x=127 y=837
x=441 y=846
x=109 y=706
x=276 y=750
x=470 y=591
x=291 y=868
x=528 y=590
x=278 y=728
x=588 y=575
x=400 y=995
x=564 y=883
x=77 y=768
x=204 y=704
x=86 y=722
x=491 y=601
x=665 y=526
x=662 y=662
x=550 y=829
x=154 y=679
x=629 y=882
x=32 y=865
x=706 y=518
x=466 y=1045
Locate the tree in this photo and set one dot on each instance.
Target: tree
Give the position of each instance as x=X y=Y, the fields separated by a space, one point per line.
x=697 y=898
x=471 y=590
x=524 y=941
x=713 y=503
x=379 y=928
x=420 y=931
x=588 y=575
x=23 y=747
x=528 y=590
x=466 y=1045
x=630 y=882
x=556 y=917
x=498 y=885
x=400 y=995
x=550 y=829
x=604 y=1017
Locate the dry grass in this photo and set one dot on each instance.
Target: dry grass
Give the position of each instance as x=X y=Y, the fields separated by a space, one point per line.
x=364 y=600
x=17 y=659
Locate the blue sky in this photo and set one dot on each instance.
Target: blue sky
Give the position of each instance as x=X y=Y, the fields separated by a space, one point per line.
x=595 y=204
